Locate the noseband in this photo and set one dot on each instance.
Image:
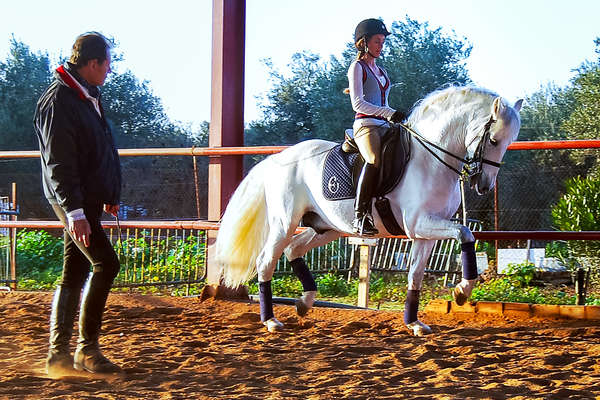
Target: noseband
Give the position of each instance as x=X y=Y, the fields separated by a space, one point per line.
x=472 y=166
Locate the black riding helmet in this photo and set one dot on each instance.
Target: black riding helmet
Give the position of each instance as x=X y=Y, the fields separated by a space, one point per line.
x=368 y=28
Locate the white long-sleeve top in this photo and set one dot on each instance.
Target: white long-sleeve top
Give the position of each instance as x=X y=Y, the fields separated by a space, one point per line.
x=365 y=85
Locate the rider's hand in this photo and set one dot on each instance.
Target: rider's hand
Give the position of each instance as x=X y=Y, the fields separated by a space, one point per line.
x=112 y=209
x=80 y=230
x=398 y=116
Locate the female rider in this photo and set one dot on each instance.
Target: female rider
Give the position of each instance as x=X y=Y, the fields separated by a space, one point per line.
x=369 y=89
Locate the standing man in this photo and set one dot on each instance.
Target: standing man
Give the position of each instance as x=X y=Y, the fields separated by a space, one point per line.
x=81 y=176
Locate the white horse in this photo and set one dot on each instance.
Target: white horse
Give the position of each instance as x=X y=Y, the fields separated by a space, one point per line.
x=261 y=218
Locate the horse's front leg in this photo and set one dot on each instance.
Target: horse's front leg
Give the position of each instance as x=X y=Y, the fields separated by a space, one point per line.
x=419 y=254
x=432 y=227
x=295 y=251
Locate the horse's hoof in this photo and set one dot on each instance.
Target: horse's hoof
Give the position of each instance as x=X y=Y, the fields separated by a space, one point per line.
x=459 y=297
x=419 y=329
x=273 y=325
x=301 y=308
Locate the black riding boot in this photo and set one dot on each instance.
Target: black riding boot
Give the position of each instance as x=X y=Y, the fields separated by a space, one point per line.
x=363 y=220
x=64 y=307
x=87 y=355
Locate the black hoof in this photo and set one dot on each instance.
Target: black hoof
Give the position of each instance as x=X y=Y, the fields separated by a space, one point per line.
x=459 y=297
x=301 y=308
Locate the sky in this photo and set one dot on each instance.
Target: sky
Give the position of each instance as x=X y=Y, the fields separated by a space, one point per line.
x=518 y=45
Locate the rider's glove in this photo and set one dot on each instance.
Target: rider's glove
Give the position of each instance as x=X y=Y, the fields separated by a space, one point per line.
x=398 y=116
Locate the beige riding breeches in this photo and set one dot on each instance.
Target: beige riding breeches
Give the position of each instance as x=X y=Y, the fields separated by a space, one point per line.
x=368 y=140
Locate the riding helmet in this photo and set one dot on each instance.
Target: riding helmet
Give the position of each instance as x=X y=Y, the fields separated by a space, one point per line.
x=370 y=27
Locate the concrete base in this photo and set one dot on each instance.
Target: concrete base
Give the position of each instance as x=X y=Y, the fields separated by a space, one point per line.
x=516 y=310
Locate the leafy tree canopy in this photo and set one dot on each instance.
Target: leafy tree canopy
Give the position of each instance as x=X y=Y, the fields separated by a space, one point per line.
x=309 y=102
x=136 y=115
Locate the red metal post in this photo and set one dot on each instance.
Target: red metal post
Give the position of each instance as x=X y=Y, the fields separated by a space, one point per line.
x=496 y=218
x=227 y=110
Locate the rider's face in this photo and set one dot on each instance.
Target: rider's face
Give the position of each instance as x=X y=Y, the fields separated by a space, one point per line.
x=375 y=44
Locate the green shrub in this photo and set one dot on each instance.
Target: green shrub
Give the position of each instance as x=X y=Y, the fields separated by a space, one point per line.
x=288 y=286
x=332 y=285
x=514 y=286
x=39 y=258
x=558 y=249
x=520 y=274
x=579 y=210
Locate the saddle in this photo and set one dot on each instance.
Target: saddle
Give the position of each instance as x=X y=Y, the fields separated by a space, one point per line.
x=343 y=164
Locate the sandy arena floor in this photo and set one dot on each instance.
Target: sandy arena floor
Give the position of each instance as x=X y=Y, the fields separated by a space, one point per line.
x=179 y=348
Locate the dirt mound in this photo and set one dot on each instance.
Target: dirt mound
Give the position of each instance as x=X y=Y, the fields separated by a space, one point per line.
x=180 y=348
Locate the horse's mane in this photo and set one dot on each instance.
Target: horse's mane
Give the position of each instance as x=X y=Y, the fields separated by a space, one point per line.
x=467 y=107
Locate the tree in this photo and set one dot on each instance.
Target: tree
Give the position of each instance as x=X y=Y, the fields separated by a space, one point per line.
x=584 y=121
x=579 y=210
x=310 y=102
x=23 y=78
x=421 y=60
x=159 y=187
x=531 y=182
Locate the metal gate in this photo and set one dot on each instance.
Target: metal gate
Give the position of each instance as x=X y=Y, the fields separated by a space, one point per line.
x=4 y=242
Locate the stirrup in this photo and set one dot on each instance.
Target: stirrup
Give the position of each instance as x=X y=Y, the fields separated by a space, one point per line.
x=364 y=226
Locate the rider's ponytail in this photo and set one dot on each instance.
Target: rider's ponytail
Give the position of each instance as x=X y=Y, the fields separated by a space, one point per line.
x=361 y=46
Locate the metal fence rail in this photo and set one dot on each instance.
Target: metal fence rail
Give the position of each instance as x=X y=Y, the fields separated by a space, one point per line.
x=152 y=254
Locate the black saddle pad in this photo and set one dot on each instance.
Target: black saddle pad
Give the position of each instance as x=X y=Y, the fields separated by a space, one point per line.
x=341 y=169
x=337 y=174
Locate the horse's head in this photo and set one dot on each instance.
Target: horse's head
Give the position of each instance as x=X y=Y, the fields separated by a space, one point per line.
x=488 y=140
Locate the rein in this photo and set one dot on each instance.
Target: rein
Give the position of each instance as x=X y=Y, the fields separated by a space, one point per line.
x=472 y=165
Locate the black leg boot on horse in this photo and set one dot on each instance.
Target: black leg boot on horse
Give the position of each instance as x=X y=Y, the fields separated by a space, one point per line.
x=363 y=219
x=64 y=307
x=87 y=355
x=309 y=286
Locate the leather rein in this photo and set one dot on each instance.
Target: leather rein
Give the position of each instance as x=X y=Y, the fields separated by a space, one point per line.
x=472 y=166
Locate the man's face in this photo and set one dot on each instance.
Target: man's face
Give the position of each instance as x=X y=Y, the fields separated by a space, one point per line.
x=99 y=71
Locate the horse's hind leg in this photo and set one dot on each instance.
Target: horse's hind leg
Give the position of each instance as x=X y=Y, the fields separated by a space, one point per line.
x=295 y=251
x=265 y=265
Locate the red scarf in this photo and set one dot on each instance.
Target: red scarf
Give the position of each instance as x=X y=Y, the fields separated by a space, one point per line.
x=70 y=82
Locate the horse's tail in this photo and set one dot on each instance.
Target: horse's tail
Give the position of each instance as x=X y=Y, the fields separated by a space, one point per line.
x=243 y=230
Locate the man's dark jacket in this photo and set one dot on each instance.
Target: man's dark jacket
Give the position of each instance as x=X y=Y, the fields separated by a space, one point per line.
x=80 y=164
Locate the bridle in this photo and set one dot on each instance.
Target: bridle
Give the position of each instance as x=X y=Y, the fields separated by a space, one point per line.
x=472 y=166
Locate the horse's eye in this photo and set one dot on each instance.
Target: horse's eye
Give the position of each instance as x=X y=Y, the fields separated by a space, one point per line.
x=493 y=142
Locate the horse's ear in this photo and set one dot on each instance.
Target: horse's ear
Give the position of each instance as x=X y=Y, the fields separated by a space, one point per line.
x=518 y=105
x=496 y=107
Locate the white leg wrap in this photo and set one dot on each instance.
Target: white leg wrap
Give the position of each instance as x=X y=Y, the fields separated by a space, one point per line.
x=308 y=298
x=418 y=328
x=466 y=286
x=273 y=325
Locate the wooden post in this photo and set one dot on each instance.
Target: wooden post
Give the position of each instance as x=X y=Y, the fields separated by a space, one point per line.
x=13 y=240
x=364 y=268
